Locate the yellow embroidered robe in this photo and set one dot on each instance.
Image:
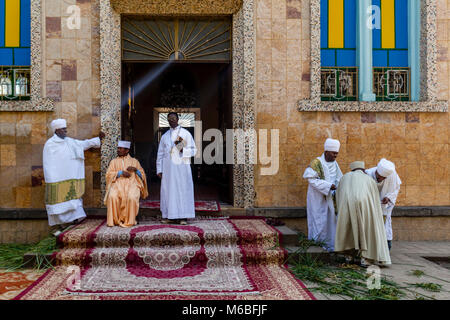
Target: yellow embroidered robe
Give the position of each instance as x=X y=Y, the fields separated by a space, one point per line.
x=122 y=194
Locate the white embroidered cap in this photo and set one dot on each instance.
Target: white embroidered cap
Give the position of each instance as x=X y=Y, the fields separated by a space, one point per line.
x=124 y=144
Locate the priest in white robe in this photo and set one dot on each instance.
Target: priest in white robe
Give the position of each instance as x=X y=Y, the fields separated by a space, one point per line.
x=173 y=166
x=63 y=162
x=360 y=229
x=388 y=183
x=323 y=176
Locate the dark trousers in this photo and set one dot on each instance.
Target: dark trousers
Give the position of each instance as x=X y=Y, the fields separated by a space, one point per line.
x=389 y=244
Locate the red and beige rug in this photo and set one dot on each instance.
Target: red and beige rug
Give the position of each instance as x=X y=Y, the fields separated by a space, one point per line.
x=14 y=282
x=209 y=206
x=210 y=258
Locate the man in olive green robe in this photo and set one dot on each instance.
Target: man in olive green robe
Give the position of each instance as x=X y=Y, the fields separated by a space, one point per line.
x=360 y=226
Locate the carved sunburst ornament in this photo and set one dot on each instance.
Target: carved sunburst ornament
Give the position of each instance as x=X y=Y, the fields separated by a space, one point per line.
x=176 y=39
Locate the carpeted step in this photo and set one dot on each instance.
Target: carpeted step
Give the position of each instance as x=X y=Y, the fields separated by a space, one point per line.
x=117 y=237
x=222 y=256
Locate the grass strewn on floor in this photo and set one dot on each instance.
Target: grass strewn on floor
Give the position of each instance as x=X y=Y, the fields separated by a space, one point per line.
x=345 y=280
x=11 y=255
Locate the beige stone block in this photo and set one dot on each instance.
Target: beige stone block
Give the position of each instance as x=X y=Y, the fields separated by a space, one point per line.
x=263 y=70
x=83 y=49
x=7 y=133
x=263 y=29
x=95 y=89
x=8 y=198
x=66 y=31
x=278 y=71
x=65 y=4
x=68 y=49
x=263 y=93
x=279 y=197
x=69 y=91
x=294 y=71
x=7 y=155
x=306 y=29
x=53 y=49
x=413 y=195
x=293 y=91
x=279 y=29
x=84 y=90
x=427 y=174
x=279 y=50
x=294 y=50
x=278 y=93
x=278 y=9
x=85 y=29
x=69 y=112
x=264 y=196
x=84 y=69
x=39 y=133
x=264 y=9
x=294 y=29
x=53 y=70
x=53 y=8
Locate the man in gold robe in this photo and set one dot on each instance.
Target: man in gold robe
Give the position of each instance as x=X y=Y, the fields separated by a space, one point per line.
x=125 y=184
x=360 y=228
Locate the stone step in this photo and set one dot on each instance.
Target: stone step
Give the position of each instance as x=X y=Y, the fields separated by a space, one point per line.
x=316 y=253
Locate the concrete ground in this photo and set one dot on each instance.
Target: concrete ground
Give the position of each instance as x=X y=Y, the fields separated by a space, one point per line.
x=407 y=256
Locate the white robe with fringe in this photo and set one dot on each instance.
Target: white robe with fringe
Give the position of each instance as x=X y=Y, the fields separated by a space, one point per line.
x=321 y=216
x=389 y=188
x=63 y=159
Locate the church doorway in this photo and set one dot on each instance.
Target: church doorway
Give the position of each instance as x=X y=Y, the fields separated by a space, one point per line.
x=161 y=74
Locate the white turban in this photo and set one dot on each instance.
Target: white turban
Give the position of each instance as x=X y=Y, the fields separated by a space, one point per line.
x=357 y=165
x=124 y=144
x=332 y=145
x=385 y=168
x=58 y=124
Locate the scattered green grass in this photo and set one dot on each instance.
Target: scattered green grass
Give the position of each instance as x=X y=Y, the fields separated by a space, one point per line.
x=429 y=286
x=344 y=280
x=11 y=255
x=417 y=273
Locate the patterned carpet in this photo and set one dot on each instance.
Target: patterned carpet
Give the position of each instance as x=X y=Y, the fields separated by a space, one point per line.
x=12 y=283
x=210 y=206
x=210 y=258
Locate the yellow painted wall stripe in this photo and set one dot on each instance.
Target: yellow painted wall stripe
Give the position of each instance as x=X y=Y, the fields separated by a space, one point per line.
x=12 y=23
x=336 y=23
x=388 y=24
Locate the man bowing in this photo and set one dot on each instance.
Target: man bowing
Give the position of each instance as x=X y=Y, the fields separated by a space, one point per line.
x=388 y=183
x=173 y=167
x=63 y=162
x=323 y=176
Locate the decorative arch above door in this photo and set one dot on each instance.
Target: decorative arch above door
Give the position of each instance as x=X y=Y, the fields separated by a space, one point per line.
x=180 y=39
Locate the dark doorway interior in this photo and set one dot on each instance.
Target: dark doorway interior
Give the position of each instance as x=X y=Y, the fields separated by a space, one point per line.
x=204 y=89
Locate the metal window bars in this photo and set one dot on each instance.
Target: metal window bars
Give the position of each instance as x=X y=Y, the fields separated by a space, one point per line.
x=339 y=84
x=391 y=84
x=14 y=83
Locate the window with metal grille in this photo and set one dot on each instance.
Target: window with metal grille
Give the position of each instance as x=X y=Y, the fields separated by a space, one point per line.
x=391 y=84
x=339 y=84
x=14 y=83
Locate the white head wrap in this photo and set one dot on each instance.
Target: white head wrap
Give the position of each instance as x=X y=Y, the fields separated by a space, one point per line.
x=58 y=124
x=385 y=168
x=124 y=144
x=332 y=145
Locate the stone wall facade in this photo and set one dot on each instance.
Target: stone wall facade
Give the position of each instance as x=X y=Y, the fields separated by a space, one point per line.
x=418 y=142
